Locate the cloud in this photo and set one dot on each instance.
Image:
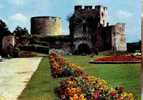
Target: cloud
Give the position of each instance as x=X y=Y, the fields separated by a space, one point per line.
x=123 y=14
x=19 y=17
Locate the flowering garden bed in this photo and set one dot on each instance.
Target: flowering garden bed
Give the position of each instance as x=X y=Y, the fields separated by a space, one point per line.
x=80 y=85
x=122 y=59
x=62 y=68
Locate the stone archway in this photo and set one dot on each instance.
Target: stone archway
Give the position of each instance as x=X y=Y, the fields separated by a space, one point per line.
x=84 y=49
x=77 y=43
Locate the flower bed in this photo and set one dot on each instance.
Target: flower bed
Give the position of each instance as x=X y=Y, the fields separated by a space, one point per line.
x=62 y=68
x=90 y=88
x=120 y=58
x=81 y=86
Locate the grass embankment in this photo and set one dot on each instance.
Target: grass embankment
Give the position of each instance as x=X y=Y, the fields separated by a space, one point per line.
x=42 y=85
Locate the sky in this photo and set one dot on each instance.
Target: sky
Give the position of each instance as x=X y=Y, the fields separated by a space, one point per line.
x=19 y=12
x=142 y=8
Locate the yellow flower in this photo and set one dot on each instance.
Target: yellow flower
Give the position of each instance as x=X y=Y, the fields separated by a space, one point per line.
x=112 y=89
x=130 y=94
x=82 y=97
x=124 y=94
x=71 y=98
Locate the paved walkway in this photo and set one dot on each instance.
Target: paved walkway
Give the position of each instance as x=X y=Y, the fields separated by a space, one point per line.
x=14 y=76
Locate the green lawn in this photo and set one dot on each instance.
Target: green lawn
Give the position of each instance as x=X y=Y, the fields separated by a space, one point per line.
x=42 y=85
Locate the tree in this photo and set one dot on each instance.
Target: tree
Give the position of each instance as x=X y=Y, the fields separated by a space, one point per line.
x=3 y=30
x=3 y=27
x=19 y=31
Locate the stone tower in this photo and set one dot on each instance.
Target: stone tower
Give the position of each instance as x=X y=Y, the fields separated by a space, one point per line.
x=103 y=14
x=46 y=26
x=92 y=33
x=85 y=25
x=118 y=37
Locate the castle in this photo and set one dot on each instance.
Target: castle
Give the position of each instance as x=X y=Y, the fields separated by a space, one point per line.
x=90 y=31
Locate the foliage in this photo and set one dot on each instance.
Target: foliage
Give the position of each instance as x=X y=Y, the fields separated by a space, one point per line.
x=120 y=58
x=61 y=68
x=26 y=54
x=90 y=88
x=84 y=86
x=19 y=31
x=3 y=28
x=3 y=31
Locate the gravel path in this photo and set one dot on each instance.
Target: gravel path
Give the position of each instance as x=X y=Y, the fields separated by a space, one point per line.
x=14 y=76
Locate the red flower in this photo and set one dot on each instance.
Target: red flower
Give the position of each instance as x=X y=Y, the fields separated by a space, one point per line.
x=119 y=58
x=96 y=95
x=121 y=89
x=113 y=93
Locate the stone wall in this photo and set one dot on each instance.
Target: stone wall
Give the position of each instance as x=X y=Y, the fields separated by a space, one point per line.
x=46 y=26
x=118 y=37
x=8 y=41
x=98 y=12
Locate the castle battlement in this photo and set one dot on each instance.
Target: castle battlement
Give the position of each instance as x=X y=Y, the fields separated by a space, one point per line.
x=80 y=7
x=48 y=18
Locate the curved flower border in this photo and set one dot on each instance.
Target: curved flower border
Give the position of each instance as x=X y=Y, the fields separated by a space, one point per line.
x=81 y=86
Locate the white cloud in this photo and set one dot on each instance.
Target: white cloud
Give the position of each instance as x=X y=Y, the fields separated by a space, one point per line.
x=123 y=14
x=19 y=17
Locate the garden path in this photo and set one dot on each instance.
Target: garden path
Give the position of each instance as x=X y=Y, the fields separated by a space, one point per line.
x=14 y=76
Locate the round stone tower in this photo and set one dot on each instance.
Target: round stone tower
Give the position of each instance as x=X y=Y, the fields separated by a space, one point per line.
x=46 y=26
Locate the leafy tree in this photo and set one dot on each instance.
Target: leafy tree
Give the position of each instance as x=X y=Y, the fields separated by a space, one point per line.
x=19 y=31
x=3 y=30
